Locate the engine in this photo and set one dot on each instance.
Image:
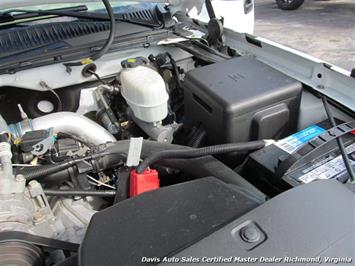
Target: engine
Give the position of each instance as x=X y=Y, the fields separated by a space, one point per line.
x=59 y=169
x=150 y=126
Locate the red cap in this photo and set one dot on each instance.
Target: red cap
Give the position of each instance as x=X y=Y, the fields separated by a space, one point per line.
x=146 y=181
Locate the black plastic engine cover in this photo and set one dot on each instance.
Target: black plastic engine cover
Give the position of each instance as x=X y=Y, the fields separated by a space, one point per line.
x=161 y=222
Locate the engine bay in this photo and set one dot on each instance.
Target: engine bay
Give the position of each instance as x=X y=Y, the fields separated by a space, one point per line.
x=153 y=131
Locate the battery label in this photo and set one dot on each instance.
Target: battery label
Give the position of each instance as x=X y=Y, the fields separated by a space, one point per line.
x=330 y=170
x=297 y=140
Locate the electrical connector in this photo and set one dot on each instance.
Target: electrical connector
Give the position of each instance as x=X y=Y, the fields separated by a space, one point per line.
x=146 y=181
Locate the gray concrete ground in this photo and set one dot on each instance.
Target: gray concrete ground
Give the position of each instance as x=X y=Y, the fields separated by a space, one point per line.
x=322 y=28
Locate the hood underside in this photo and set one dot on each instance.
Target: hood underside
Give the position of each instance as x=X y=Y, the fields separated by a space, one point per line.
x=178 y=4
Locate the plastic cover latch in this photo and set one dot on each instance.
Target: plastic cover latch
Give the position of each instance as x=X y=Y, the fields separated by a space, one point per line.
x=146 y=181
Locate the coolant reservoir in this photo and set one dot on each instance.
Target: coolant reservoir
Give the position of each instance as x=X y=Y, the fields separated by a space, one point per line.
x=145 y=92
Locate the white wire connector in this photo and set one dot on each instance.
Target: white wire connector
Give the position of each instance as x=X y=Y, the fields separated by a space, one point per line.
x=98 y=183
x=22 y=112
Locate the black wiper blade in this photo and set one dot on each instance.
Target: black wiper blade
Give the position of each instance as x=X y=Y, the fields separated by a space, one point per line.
x=7 y=16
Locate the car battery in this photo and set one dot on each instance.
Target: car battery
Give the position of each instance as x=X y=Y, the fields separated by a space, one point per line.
x=297 y=159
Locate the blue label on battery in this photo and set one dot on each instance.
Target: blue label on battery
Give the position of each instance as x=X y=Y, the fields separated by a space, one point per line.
x=297 y=140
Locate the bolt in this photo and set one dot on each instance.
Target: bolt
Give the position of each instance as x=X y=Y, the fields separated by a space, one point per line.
x=33 y=184
x=20 y=178
x=250 y=234
x=38 y=217
x=193 y=217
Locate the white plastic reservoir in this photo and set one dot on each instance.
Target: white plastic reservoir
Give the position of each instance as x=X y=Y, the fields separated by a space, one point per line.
x=145 y=92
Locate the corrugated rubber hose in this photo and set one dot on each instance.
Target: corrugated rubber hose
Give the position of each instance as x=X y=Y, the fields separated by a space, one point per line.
x=200 y=152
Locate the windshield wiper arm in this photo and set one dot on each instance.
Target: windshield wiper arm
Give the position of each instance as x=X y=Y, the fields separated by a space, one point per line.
x=26 y=14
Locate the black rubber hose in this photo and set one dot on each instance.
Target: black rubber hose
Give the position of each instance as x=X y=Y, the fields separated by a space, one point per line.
x=122 y=185
x=339 y=140
x=176 y=70
x=35 y=172
x=80 y=193
x=197 y=138
x=193 y=153
x=115 y=154
x=195 y=167
x=111 y=36
x=50 y=178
